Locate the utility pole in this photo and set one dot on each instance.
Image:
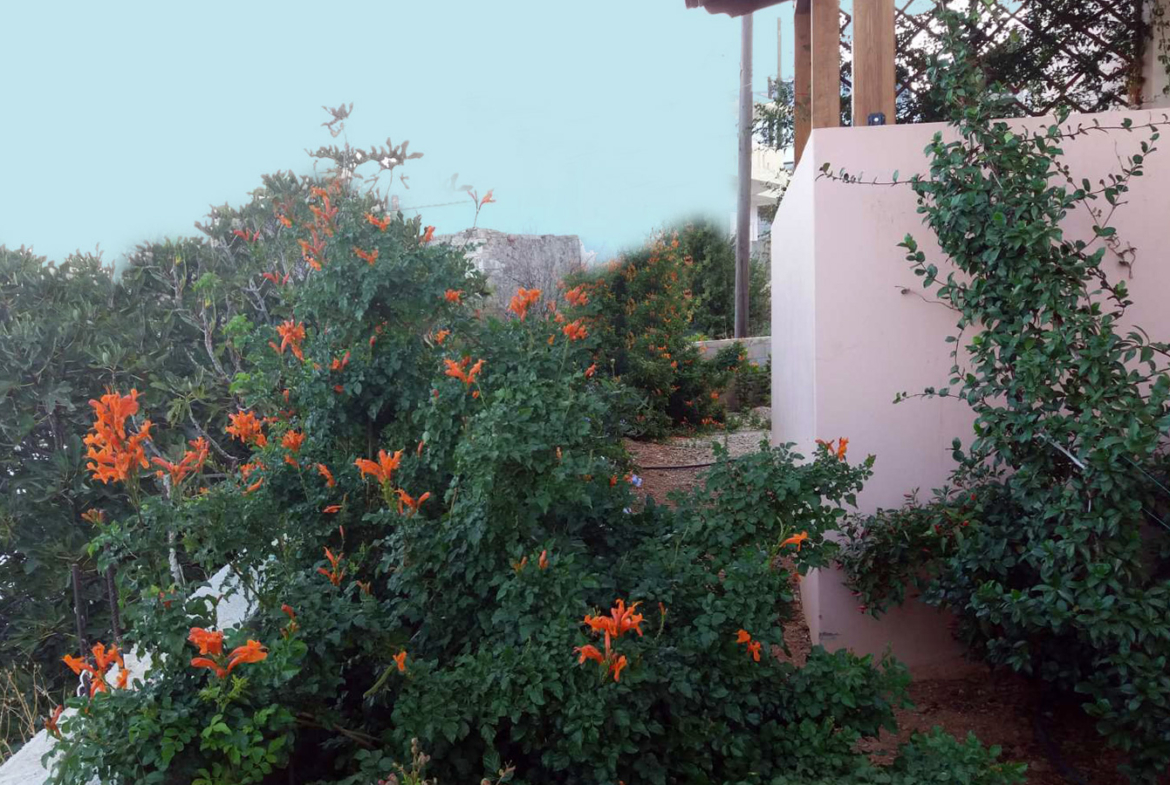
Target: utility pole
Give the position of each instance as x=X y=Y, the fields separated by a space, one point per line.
x=743 y=213
x=779 y=51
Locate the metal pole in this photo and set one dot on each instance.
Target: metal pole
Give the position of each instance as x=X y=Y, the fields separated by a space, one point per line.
x=115 y=616
x=779 y=50
x=743 y=213
x=78 y=612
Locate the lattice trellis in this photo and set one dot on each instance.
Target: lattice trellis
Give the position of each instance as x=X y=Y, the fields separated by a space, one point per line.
x=1081 y=54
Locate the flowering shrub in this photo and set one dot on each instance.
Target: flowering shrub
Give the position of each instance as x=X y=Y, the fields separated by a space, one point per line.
x=750 y=384
x=432 y=517
x=639 y=311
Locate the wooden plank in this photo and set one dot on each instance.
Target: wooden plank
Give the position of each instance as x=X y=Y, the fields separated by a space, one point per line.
x=873 y=60
x=826 y=63
x=802 y=84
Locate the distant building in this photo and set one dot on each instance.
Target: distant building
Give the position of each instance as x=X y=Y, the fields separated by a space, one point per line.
x=771 y=169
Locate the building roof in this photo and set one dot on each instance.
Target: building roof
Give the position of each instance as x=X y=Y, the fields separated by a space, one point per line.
x=732 y=7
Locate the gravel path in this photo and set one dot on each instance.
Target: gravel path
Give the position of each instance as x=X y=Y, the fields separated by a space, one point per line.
x=684 y=451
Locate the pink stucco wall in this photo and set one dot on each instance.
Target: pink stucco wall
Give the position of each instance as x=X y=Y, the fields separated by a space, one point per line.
x=846 y=339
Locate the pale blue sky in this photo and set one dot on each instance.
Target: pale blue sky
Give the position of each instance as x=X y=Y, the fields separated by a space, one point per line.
x=124 y=121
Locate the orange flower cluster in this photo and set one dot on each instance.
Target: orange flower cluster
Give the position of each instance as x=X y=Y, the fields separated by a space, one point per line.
x=460 y=371
x=383 y=469
x=275 y=279
x=577 y=296
x=113 y=454
x=839 y=450
x=335 y=572
x=592 y=369
x=339 y=365
x=427 y=235
x=210 y=646
x=441 y=336
x=291 y=335
x=620 y=621
x=454 y=296
x=96 y=517
x=575 y=330
x=104 y=659
x=381 y=223
x=542 y=563
x=368 y=256
x=487 y=198
x=408 y=502
x=191 y=462
x=523 y=300
x=324 y=215
x=292 y=441
x=753 y=647
x=245 y=427
x=246 y=236
x=292 y=625
x=51 y=722
x=247 y=469
x=314 y=251
x=400 y=661
x=796 y=539
x=323 y=470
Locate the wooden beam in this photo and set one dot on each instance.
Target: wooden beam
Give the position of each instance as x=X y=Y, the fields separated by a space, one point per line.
x=826 y=63
x=873 y=60
x=802 y=85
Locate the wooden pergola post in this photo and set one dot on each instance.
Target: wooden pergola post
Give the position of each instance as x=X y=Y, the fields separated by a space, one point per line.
x=873 y=60
x=802 y=84
x=817 y=88
x=826 y=63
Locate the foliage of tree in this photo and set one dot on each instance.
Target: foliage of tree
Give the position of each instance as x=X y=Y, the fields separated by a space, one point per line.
x=1050 y=541
x=68 y=332
x=711 y=280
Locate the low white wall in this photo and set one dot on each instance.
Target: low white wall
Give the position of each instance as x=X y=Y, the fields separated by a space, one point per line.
x=759 y=348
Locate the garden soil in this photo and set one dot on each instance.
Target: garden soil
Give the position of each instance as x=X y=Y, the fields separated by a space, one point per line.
x=999 y=708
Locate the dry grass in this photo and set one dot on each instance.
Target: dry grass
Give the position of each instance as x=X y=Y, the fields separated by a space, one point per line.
x=23 y=703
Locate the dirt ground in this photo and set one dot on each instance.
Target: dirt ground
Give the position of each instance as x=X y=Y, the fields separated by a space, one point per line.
x=999 y=708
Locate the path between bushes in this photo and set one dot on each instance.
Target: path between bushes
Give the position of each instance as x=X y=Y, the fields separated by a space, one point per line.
x=1000 y=708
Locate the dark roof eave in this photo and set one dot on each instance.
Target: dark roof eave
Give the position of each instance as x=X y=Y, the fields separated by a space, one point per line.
x=732 y=7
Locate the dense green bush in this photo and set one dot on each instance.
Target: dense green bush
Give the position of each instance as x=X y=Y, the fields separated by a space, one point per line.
x=1050 y=542
x=432 y=515
x=749 y=383
x=711 y=279
x=639 y=311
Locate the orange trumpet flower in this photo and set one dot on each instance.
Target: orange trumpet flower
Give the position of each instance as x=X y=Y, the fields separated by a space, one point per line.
x=383 y=469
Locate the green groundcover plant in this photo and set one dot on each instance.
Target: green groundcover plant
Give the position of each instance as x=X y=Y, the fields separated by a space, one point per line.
x=433 y=519
x=1050 y=541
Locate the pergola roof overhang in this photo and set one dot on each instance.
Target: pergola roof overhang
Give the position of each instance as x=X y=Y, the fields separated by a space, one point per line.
x=732 y=7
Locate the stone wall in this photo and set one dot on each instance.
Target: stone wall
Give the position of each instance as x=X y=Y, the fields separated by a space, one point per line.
x=512 y=261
